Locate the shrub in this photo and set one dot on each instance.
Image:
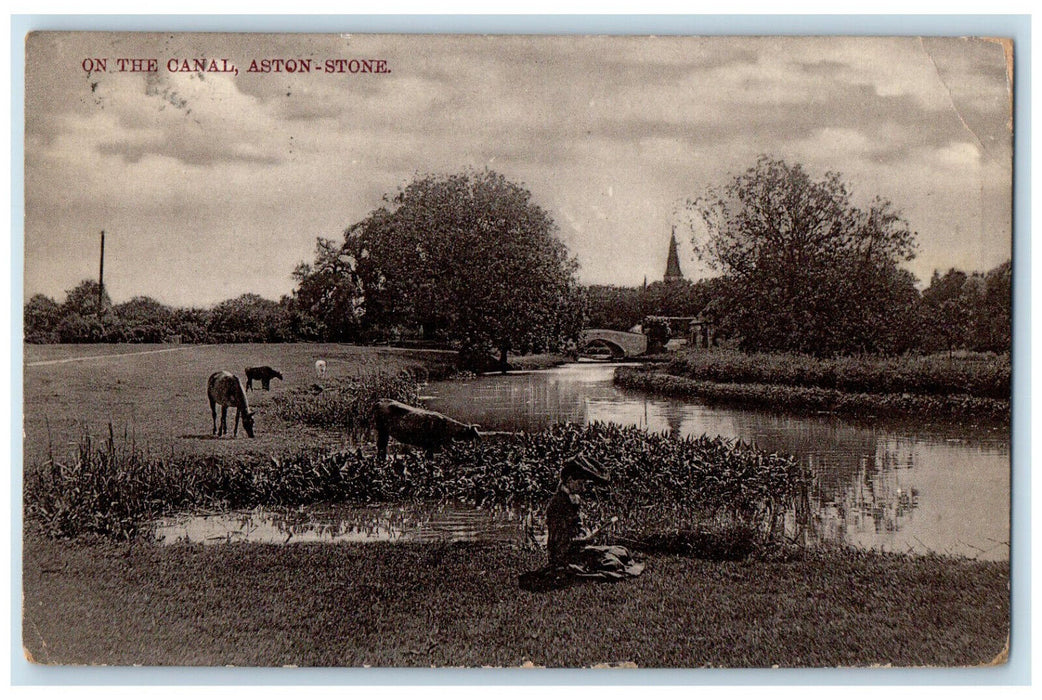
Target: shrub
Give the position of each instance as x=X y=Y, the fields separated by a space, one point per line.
x=346 y=404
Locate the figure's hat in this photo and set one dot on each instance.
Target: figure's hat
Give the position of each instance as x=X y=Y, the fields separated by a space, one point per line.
x=580 y=466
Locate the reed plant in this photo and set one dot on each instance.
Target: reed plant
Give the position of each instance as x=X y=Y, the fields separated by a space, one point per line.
x=104 y=488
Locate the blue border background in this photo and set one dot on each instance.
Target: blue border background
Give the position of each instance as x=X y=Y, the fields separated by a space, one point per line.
x=1017 y=27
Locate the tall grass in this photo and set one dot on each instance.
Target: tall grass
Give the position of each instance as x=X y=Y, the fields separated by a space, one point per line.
x=346 y=404
x=980 y=375
x=658 y=481
x=105 y=489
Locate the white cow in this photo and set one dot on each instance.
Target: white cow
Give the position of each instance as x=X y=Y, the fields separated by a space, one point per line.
x=320 y=367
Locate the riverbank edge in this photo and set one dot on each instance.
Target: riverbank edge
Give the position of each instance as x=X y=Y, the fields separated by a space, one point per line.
x=460 y=605
x=529 y=363
x=656 y=379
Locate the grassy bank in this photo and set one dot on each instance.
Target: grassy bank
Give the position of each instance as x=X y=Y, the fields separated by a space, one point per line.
x=967 y=374
x=962 y=407
x=159 y=398
x=461 y=605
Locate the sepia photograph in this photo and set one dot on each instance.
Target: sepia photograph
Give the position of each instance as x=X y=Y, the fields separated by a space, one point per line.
x=515 y=351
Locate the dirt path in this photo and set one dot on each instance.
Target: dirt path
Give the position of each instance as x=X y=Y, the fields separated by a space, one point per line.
x=41 y=363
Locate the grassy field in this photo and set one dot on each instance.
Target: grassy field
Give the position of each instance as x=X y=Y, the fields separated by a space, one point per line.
x=159 y=398
x=461 y=605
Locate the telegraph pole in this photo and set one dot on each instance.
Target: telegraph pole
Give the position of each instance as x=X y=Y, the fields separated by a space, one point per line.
x=101 y=274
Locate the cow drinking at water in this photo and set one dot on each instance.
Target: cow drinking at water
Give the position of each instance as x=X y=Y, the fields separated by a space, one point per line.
x=224 y=388
x=416 y=426
x=264 y=374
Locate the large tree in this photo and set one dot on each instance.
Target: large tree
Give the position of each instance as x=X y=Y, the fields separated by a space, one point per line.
x=971 y=311
x=995 y=319
x=327 y=300
x=468 y=258
x=808 y=270
x=87 y=316
x=144 y=319
x=947 y=310
x=674 y=298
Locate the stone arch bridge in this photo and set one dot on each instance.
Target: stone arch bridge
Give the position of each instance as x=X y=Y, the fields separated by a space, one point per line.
x=620 y=343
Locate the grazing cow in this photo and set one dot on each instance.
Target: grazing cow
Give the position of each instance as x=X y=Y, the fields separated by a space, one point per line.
x=224 y=388
x=264 y=374
x=416 y=426
x=320 y=367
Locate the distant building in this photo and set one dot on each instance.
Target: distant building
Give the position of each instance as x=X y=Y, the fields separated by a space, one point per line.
x=673 y=273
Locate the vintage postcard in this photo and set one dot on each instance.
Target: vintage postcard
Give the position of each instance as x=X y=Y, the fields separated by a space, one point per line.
x=467 y=351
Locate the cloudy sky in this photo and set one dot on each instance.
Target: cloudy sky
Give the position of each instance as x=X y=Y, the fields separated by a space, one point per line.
x=210 y=185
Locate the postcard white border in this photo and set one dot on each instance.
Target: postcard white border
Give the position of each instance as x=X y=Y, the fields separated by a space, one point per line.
x=1016 y=672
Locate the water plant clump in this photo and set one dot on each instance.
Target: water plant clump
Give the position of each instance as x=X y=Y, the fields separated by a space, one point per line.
x=346 y=404
x=661 y=483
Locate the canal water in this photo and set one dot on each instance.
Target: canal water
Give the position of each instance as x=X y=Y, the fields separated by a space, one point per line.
x=907 y=486
x=896 y=486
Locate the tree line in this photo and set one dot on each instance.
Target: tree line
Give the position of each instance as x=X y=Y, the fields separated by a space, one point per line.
x=470 y=261
x=958 y=311
x=802 y=268
x=466 y=261
x=86 y=317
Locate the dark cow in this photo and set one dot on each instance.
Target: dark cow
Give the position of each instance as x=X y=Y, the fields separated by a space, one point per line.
x=225 y=388
x=264 y=374
x=416 y=426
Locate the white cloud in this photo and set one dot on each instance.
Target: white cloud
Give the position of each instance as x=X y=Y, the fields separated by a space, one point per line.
x=959 y=155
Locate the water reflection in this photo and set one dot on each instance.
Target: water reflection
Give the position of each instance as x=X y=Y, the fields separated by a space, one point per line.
x=893 y=486
x=329 y=524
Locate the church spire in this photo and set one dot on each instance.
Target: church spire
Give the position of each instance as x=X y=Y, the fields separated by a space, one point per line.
x=673 y=273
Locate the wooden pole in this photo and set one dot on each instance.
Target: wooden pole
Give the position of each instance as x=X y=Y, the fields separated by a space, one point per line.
x=101 y=274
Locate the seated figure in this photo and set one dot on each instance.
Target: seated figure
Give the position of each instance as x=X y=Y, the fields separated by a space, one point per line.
x=568 y=540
